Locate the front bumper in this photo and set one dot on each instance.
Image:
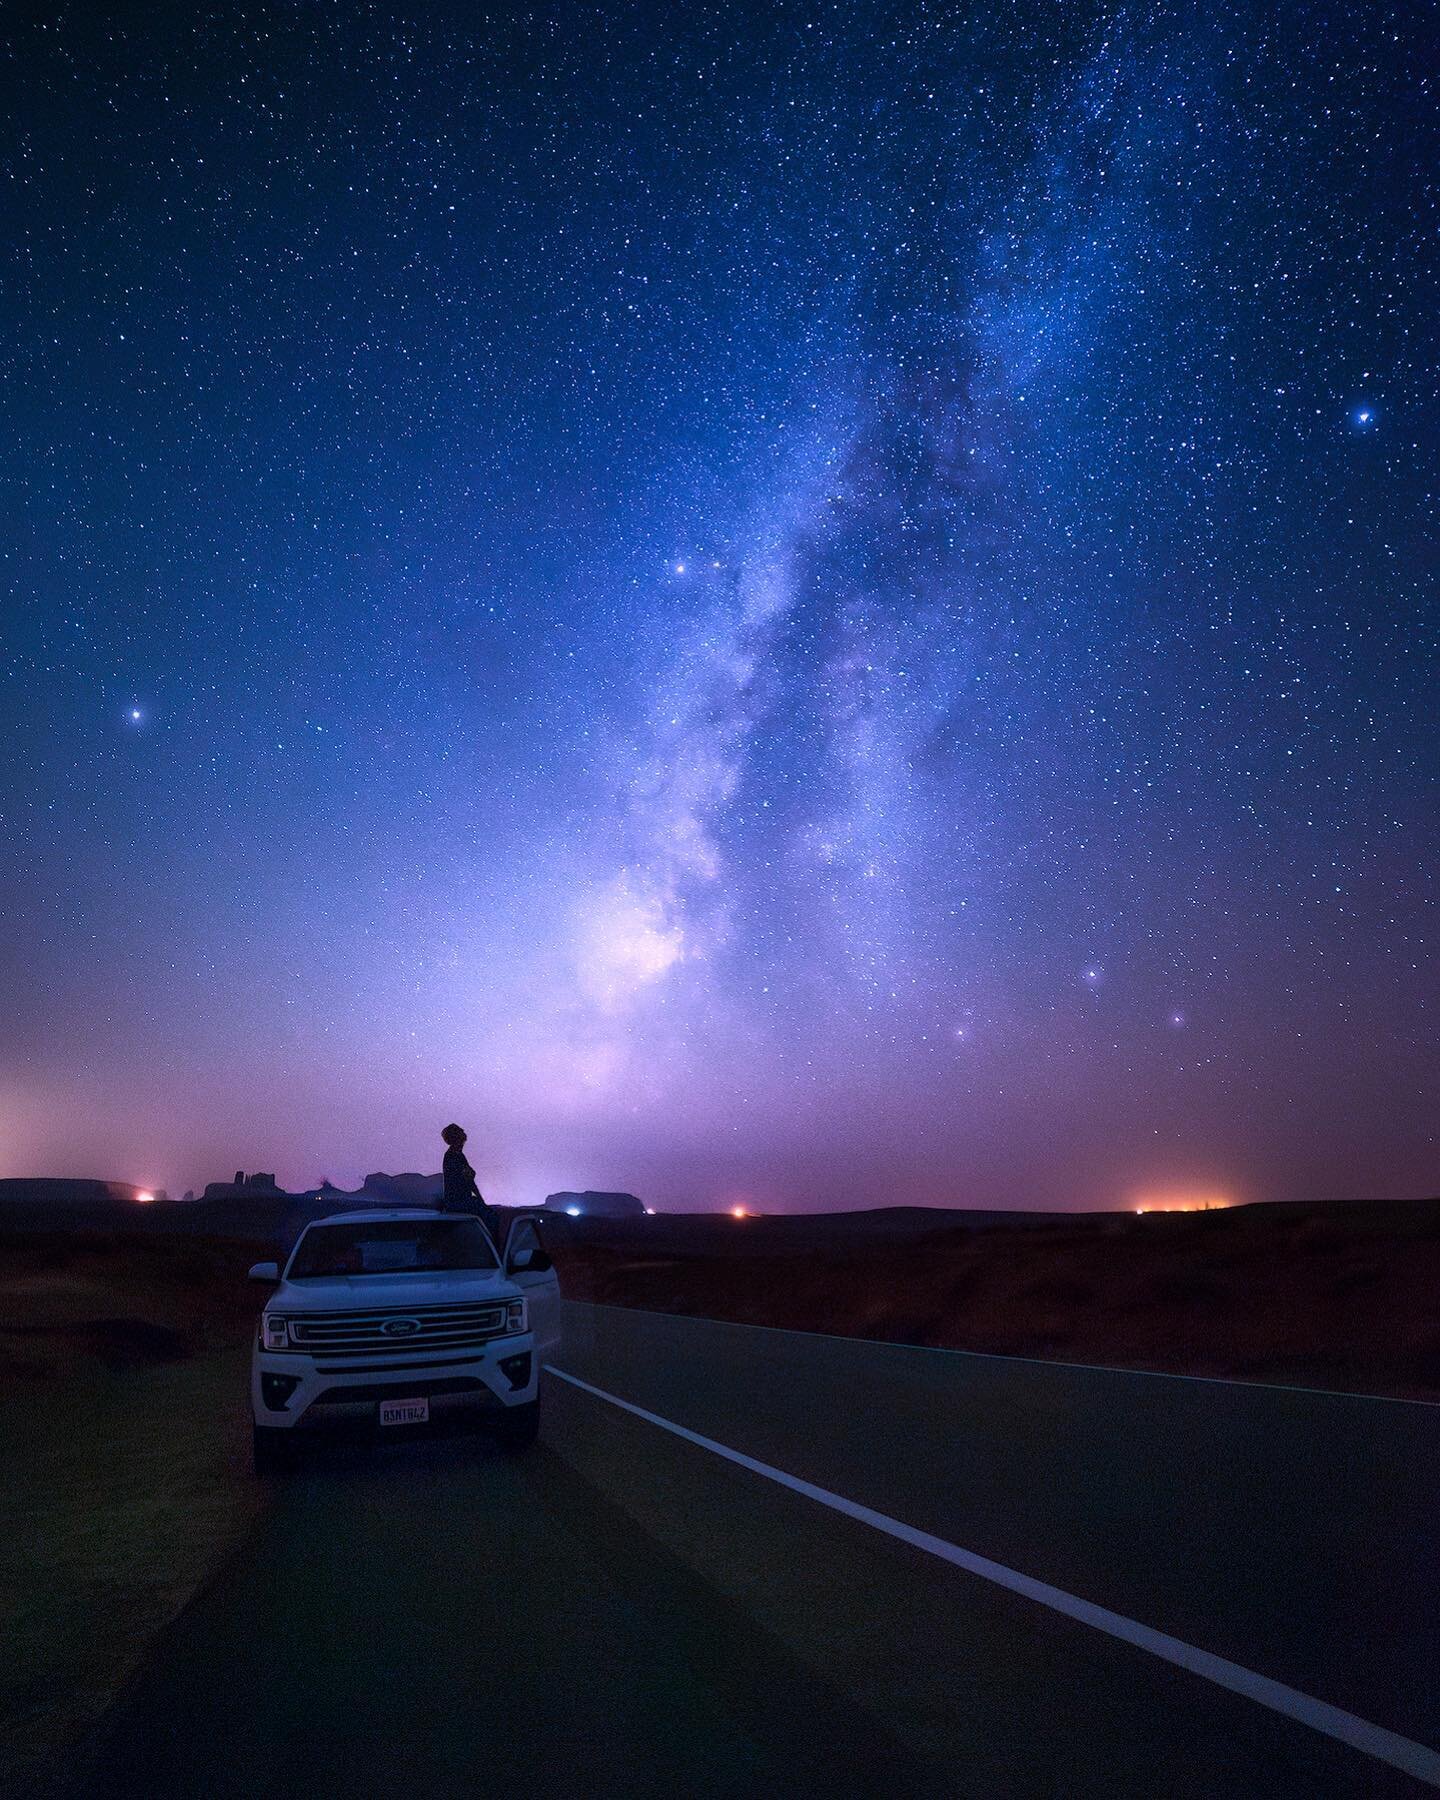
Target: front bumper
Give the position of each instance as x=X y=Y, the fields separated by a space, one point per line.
x=290 y=1392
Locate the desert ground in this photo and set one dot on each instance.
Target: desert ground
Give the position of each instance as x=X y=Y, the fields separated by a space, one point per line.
x=123 y=1360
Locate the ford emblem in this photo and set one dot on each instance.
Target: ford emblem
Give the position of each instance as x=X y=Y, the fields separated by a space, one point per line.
x=400 y=1327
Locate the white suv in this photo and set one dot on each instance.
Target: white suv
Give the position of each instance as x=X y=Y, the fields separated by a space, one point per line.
x=393 y=1318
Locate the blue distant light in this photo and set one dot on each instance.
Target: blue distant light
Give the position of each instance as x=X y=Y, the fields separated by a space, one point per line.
x=574 y=1211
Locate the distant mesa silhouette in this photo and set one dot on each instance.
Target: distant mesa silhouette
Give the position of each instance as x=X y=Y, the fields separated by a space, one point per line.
x=596 y=1205
x=260 y=1183
x=251 y=1205
x=403 y=1190
x=60 y=1191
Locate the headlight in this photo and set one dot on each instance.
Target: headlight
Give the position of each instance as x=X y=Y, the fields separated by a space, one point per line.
x=516 y=1318
x=274 y=1332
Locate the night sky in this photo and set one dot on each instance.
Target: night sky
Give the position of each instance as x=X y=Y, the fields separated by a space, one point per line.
x=801 y=605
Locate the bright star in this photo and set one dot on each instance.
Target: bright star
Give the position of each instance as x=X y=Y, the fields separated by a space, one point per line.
x=1177 y=1019
x=679 y=568
x=135 y=715
x=1364 y=417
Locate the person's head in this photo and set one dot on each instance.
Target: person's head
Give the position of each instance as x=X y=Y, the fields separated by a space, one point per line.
x=454 y=1137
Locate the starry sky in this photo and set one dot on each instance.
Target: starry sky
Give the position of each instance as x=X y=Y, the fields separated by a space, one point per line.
x=801 y=605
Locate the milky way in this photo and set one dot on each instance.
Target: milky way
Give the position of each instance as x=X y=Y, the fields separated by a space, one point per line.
x=792 y=606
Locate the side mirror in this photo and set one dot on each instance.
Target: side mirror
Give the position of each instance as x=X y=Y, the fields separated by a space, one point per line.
x=265 y=1272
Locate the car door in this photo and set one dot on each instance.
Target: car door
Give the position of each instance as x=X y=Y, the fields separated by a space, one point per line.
x=528 y=1265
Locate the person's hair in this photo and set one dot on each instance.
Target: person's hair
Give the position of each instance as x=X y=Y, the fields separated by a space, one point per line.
x=453 y=1134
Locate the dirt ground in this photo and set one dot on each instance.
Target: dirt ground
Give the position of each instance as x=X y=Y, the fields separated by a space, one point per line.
x=72 y=1302
x=123 y=1365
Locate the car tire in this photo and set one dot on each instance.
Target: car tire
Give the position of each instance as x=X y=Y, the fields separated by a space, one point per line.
x=273 y=1451
x=519 y=1426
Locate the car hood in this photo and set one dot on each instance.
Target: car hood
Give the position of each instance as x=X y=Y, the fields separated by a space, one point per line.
x=387 y=1293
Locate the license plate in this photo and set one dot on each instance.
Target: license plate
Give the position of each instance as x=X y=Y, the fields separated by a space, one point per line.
x=405 y=1412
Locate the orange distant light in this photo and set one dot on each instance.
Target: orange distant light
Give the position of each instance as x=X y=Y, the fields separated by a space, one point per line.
x=1182 y=1202
x=144 y=1197
x=739 y=1212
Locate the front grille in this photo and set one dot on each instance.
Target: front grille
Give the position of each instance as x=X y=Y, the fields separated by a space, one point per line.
x=404 y=1388
x=329 y=1336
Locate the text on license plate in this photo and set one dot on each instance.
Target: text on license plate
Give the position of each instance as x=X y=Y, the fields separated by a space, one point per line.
x=404 y=1412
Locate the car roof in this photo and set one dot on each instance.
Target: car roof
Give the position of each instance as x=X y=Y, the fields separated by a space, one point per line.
x=368 y=1215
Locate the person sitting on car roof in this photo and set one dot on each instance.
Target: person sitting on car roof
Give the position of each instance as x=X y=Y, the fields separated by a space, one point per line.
x=461 y=1192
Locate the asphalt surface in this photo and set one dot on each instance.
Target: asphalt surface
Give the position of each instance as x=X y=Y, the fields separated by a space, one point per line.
x=621 y=1612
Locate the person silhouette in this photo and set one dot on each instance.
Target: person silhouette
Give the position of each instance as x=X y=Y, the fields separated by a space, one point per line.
x=461 y=1192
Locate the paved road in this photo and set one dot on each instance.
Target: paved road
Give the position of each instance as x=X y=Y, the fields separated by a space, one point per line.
x=624 y=1612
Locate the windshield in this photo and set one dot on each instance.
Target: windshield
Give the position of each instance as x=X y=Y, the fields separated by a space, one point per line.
x=391 y=1247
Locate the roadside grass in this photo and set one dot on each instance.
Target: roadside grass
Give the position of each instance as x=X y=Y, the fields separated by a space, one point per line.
x=126 y=1486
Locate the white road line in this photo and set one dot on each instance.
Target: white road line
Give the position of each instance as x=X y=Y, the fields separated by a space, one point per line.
x=1038 y=1362
x=1371 y=1740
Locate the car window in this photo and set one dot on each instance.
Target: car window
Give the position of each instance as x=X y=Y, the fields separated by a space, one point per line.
x=390 y=1247
x=524 y=1251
